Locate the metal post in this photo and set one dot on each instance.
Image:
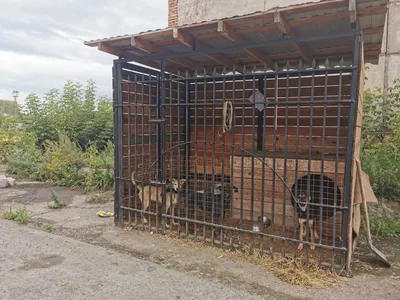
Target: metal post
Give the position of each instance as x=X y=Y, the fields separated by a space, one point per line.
x=118 y=173
x=349 y=147
x=162 y=139
x=187 y=146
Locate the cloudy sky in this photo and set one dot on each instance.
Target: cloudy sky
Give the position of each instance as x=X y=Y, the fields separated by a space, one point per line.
x=41 y=41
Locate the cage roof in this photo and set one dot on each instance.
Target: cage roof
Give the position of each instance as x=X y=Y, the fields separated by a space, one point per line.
x=317 y=30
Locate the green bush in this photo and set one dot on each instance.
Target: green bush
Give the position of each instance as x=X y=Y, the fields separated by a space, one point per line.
x=61 y=134
x=380 y=156
x=63 y=161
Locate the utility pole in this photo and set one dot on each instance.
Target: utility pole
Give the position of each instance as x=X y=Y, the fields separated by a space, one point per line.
x=15 y=95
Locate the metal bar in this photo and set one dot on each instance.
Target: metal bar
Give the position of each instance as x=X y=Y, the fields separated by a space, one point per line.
x=285 y=167
x=195 y=158
x=163 y=136
x=297 y=159
x=188 y=141
x=137 y=68
x=150 y=144
x=261 y=74
x=336 y=170
x=171 y=165
x=294 y=103
x=298 y=39
x=118 y=173
x=242 y=162
x=349 y=148
x=221 y=216
x=205 y=157
x=213 y=163
x=309 y=193
x=246 y=231
x=276 y=91
x=136 y=147
x=321 y=187
x=129 y=151
x=231 y=159
x=252 y=164
x=263 y=86
x=143 y=155
x=179 y=150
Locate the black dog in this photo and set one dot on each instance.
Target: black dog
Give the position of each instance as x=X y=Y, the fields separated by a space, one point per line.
x=216 y=200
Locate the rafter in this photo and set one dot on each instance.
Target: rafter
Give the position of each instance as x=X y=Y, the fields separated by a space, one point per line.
x=284 y=27
x=190 y=42
x=151 y=49
x=228 y=32
x=121 y=53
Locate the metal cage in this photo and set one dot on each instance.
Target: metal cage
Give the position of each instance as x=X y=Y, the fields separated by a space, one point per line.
x=261 y=149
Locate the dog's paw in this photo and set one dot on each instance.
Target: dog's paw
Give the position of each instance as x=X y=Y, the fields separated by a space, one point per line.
x=300 y=247
x=145 y=221
x=312 y=247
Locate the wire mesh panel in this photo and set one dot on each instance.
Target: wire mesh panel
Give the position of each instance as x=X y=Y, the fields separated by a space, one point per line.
x=256 y=158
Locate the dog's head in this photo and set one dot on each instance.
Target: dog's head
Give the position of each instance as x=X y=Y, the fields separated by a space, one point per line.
x=302 y=199
x=177 y=184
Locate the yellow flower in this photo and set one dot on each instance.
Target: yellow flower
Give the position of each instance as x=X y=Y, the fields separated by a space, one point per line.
x=5 y=140
x=14 y=139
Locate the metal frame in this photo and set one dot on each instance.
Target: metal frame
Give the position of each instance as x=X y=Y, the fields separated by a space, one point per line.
x=183 y=95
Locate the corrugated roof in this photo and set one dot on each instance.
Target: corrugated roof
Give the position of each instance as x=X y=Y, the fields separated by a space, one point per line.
x=278 y=24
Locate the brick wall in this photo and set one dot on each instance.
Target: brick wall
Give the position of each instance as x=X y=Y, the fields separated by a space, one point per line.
x=172 y=13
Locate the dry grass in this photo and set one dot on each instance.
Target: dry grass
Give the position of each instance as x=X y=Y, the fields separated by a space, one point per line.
x=291 y=270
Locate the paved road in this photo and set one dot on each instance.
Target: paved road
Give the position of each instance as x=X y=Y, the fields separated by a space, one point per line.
x=38 y=265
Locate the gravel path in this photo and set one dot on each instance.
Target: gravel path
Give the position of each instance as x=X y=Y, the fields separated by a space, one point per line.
x=37 y=265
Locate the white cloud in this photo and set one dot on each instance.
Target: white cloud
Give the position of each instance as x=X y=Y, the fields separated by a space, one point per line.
x=42 y=41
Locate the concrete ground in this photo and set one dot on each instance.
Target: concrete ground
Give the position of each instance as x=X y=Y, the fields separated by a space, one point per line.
x=86 y=257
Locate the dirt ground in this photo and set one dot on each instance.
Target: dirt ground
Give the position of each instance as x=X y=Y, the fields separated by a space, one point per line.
x=370 y=279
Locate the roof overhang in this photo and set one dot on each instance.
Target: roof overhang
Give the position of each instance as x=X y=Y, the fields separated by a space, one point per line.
x=318 y=30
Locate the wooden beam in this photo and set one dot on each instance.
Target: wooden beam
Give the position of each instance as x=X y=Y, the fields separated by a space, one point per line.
x=352 y=11
x=183 y=38
x=152 y=49
x=121 y=53
x=193 y=44
x=108 y=49
x=284 y=27
x=228 y=32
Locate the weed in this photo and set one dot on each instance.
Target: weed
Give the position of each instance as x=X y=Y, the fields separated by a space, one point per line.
x=20 y=215
x=382 y=220
x=385 y=227
x=48 y=227
x=57 y=202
